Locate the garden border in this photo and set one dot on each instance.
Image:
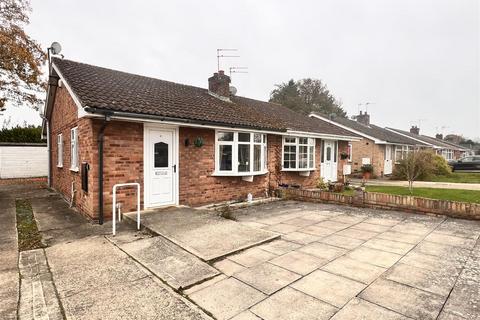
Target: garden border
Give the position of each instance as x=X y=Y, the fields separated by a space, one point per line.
x=377 y=200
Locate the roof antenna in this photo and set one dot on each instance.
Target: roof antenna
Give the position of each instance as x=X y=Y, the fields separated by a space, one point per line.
x=366 y=106
x=220 y=55
x=237 y=70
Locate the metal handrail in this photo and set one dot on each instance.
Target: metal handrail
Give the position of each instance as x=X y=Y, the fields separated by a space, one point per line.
x=119 y=185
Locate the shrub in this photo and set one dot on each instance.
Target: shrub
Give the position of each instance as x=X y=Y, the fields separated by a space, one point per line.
x=28 y=134
x=416 y=165
x=322 y=185
x=366 y=168
x=440 y=166
x=226 y=212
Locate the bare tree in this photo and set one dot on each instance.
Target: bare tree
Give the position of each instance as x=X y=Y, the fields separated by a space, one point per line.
x=415 y=165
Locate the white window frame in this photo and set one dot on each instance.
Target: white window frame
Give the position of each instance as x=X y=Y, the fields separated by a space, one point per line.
x=60 y=150
x=447 y=154
x=350 y=152
x=74 y=158
x=297 y=144
x=404 y=151
x=235 y=143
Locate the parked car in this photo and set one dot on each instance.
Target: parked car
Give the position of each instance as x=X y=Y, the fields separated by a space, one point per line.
x=470 y=163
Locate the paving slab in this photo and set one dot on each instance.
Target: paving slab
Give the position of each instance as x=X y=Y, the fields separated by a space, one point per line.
x=279 y=247
x=38 y=299
x=373 y=256
x=282 y=228
x=384 y=221
x=333 y=225
x=301 y=238
x=357 y=234
x=437 y=281
x=301 y=222
x=464 y=299
x=290 y=304
x=328 y=287
x=371 y=227
x=228 y=267
x=177 y=267
x=460 y=228
x=401 y=237
x=411 y=302
x=412 y=228
x=252 y=257
x=203 y=233
x=267 y=277
x=299 y=262
x=9 y=279
x=354 y=269
x=322 y=250
x=389 y=245
x=246 y=315
x=451 y=240
x=451 y=265
x=342 y=242
x=358 y=309
x=205 y=284
x=227 y=298
x=345 y=218
x=317 y=231
x=442 y=250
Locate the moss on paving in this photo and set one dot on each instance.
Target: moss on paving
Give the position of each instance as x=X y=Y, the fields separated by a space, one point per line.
x=28 y=235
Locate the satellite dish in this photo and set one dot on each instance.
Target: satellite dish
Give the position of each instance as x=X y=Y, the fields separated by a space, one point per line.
x=56 y=48
x=233 y=90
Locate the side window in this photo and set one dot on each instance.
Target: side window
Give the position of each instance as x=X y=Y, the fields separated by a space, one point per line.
x=74 y=149
x=60 y=150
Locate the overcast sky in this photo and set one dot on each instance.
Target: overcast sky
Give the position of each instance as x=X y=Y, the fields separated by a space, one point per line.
x=416 y=60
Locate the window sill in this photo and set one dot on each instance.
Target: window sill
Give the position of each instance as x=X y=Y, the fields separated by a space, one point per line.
x=298 y=170
x=74 y=169
x=60 y=167
x=238 y=174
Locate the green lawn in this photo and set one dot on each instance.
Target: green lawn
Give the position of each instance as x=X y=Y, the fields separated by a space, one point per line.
x=432 y=193
x=458 y=177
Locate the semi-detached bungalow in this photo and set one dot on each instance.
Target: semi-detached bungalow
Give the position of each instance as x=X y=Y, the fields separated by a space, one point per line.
x=446 y=149
x=183 y=144
x=379 y=147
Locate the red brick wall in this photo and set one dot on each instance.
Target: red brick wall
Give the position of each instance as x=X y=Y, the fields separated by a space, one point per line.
x=64 y=118
x=367 y=148
x=196 y=165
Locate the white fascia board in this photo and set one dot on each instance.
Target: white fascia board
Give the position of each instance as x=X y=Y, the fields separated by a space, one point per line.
x=407 y=136
x=375 y=140
x=320 y=135
x=80 y=110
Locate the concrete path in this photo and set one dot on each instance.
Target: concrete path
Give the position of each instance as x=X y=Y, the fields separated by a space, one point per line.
x=84 y=275
x=420 y=184
x=9 y=276
x=203 y=233
x=342 y=263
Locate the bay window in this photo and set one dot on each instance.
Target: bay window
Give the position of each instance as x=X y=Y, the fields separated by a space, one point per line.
x=298 y=154
x=240 y=153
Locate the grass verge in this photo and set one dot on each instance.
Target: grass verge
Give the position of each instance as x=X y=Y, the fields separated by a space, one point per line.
x=457 y=177
x=28 y=235
x=432 y=193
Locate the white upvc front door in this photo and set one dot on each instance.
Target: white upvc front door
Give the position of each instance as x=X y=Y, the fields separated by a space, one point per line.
x=388 y=164
x=160 y=165
x=329 y=161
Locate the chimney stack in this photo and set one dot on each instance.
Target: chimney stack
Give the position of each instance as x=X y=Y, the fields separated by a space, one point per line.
x=415 y=130
x=363 y=118
x=219 y=84
x=439 y=136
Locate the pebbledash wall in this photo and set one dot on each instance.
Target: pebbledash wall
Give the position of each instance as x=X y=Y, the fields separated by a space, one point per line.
x=123 y=162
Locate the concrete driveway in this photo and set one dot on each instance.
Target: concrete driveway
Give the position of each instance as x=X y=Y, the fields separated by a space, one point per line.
x=337 y=263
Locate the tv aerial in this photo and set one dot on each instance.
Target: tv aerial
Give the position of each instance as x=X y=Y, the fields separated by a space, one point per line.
x=221 y=55
x=237 y=70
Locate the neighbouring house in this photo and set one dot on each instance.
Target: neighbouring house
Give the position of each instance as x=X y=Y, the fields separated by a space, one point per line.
x=379 y=147
x=448 y=150
x=183 y=144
